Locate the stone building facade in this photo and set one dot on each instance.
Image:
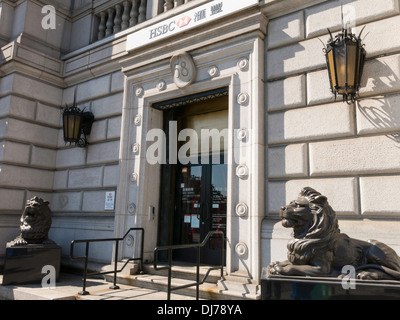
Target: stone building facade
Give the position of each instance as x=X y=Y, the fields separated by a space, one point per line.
x=262 y=59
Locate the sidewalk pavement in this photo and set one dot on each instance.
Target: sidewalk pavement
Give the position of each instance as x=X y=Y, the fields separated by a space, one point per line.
x=69 y=285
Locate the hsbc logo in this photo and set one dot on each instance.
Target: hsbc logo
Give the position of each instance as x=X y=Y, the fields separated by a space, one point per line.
x=166 y=28
x=169 y=27
x=184 y=21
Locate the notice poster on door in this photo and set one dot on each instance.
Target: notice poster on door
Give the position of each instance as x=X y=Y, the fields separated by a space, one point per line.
x=195 y=223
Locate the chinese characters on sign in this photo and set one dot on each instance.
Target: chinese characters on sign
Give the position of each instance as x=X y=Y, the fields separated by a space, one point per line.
x=184 y=21
x=215 y=9
x=202 y=14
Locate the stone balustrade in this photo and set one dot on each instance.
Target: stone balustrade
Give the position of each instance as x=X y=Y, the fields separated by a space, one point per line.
x=127 y=14
x=170 y=4
x=123 y=15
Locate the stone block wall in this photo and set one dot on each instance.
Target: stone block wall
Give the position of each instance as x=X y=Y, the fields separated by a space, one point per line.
x=348 y=152
x=29 y=127
x=35 y=84
x=34 y=160
x=83 y=175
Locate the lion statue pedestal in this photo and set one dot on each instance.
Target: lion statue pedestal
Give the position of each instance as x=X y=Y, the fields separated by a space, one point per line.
x=319 y=250
x=29 y=255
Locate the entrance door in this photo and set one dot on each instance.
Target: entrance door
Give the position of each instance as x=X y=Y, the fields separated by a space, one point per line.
x=194 y=193
x=200 y=207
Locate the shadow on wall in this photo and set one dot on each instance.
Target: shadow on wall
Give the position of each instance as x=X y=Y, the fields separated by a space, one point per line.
x=380 y=114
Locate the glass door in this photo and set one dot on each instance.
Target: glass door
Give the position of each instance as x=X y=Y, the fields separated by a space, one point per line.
x=200 y=207
x=189 y=190
x=217 y=207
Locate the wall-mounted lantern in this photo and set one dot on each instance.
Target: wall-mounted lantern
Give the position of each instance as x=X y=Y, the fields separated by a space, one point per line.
x=345 y=56
x=77 y=124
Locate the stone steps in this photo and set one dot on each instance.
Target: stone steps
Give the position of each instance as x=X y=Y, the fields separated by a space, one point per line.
x=230 y=287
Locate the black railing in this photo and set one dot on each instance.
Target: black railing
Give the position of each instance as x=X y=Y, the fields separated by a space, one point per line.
x=196 y=246
x=115 y=271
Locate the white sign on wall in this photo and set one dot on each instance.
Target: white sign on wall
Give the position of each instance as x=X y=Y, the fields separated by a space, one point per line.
x=185 y=21
x=109 y=201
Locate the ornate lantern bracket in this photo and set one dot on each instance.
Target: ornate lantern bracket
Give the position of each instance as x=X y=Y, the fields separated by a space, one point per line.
x=345 y=57
x=77 y=124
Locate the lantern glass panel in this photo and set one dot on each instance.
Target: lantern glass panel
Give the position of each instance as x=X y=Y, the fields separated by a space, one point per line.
x=340 y=55
x=332 y=72
x=361 y=58
x=65 y=126
x=72 y=124
x=75 y=123
x=352 y=67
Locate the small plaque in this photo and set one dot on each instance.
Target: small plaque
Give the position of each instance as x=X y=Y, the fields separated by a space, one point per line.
x=183 y=69
x=109 y=201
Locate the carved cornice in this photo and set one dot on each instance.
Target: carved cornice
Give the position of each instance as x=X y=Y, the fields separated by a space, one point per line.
x=19 y=58
x=276 y=8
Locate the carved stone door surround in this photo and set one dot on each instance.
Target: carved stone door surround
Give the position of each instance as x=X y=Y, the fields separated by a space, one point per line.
x=235 y=62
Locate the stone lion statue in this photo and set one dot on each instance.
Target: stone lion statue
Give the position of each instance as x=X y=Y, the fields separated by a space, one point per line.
x=35 y=223
x=318 y=248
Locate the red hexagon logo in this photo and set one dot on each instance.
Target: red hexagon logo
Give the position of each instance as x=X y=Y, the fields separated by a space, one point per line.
x=184 y=21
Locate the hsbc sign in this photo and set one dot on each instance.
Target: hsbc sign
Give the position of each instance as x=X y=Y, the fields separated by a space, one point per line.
x=169 y=27
x=161 y=30
x=185 y=21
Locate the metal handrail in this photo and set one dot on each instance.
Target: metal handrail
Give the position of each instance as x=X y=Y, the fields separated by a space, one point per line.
x=197 y=246
x=115 y=271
